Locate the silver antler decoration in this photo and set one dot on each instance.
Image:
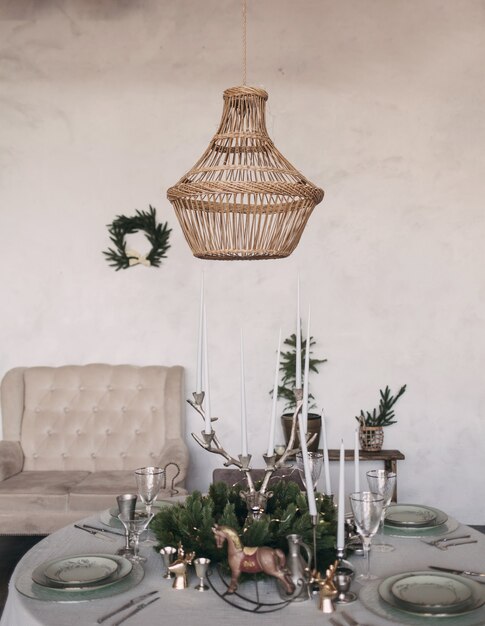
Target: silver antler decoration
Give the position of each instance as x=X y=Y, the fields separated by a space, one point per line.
x=254 y=498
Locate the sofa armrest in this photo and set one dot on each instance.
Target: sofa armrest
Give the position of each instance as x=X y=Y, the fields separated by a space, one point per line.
x=11 y=459
x=175 y=458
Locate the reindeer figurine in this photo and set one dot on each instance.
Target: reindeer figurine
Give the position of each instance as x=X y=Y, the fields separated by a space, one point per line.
x=252 y=560
x=179 y=568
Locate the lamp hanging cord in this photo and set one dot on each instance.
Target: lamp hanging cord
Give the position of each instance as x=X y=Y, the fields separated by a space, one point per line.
x=244 y=41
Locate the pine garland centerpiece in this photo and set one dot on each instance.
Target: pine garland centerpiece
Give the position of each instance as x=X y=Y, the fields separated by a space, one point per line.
x=287 y=513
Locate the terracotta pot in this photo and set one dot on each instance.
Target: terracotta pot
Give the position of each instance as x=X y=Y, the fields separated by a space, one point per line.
x=314 y=426
x=371 y=438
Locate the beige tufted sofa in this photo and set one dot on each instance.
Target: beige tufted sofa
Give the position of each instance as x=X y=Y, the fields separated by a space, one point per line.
x=73 y=436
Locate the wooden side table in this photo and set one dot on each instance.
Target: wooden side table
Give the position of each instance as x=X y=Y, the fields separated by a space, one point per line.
x=390 y=458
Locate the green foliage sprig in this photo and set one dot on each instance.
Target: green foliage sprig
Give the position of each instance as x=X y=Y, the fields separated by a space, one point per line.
x=157 y=235
x=385 y=415
x=287 y=512
x=288 y=369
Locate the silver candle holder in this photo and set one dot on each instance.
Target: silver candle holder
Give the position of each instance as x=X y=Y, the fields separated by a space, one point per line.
x=256 y=499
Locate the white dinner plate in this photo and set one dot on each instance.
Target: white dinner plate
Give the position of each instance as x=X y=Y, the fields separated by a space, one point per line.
x=80 y=570
x=474 y=602
x=429 y=593
x=123 y=569
x=411 y=515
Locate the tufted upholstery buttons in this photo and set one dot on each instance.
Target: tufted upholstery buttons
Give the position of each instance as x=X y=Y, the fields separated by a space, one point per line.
x=153 y=455
x=93 y=455
x=66 y=409
x=52 y=388
x=139 y=387
x=123 y=409
x=109 y=387
x=108 y=432
x=123 y=455
x=95 y=409
x=49 y=432
x=153 y=409
x=81 y=388
x=78 y=431
x=37 y=410
x=137 y=431
x=35 y=455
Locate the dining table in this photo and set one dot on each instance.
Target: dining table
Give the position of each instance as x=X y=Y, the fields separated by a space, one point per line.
x=189 y=606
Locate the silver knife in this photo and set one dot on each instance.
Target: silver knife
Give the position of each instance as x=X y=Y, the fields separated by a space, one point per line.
x=126 y=606
x=456 y=571
x=135 y=610
x=104 y=530
x=95 y=533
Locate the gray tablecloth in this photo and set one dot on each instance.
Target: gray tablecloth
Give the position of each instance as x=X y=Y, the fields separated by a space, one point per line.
x=191 y=607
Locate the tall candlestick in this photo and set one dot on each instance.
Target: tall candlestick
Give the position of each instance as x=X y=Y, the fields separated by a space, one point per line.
x=341 y=501
x=244 y=432
x=312 y=506
x=275 y=401
x=207 y=396
x=326 y=464
x=298 y=339
x=305 y=378
x=356 y=461
x=198 y=383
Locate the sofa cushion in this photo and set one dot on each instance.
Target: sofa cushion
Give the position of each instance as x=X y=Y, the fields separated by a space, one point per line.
x=98 y=490
x=38 y=491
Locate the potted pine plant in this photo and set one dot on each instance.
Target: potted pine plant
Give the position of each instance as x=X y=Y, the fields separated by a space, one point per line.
x=371 y=429
x=287 y=387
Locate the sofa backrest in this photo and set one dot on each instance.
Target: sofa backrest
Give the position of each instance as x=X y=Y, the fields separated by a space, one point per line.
x=92 y=417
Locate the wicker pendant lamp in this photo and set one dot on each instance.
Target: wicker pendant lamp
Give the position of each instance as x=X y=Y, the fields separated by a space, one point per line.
x=243 y=199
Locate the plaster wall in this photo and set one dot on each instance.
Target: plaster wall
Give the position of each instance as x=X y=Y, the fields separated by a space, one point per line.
x=104 y=105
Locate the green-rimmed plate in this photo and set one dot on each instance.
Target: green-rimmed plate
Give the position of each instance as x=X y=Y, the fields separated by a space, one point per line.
x=122 y=569
x=369 y=597
x=80 y=570
x=431 y=593
x=429 y=600
x=442 y=526
x=27 y=587
x=411 y=515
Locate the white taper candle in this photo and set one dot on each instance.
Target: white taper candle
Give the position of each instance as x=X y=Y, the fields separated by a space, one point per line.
x=304 y=410
x=312 y=506
x=207 y=391
x=356 y=461
x=341 y=501
x=272 y=424
x=326 y=464
x=198 y=380
x=298 y=339
x=244 y=432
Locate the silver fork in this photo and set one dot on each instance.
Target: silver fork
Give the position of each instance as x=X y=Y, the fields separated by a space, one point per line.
x=435 y=542
x=458 y=543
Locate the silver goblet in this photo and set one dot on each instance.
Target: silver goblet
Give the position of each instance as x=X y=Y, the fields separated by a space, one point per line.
x=201 y=566
x=126 y=507
x=168 y=555
x=342 y=580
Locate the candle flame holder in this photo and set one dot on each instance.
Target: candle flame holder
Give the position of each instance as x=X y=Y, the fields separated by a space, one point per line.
x=255 y=499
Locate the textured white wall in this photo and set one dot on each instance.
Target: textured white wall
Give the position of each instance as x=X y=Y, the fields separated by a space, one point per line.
x=104 y=105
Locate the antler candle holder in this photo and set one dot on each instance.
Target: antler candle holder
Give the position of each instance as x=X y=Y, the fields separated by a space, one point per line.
x=255 y=499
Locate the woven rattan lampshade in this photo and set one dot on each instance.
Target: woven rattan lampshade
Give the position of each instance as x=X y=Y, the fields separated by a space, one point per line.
x=243 y=199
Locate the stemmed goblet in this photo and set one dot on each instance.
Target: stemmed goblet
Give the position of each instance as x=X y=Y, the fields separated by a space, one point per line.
x=149 y=482
x=367 y=509
x=382 y=482
x=315 y=460
x=126 y=506
x=134 y=525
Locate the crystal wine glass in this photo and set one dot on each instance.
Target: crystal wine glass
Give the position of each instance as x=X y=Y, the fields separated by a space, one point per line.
x=315 y=460
x=367 y=509
x=134 y=526
x=382 y=482
x=149 y=482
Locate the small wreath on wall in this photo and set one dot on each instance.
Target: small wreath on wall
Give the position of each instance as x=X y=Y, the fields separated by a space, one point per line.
x=157 y=234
